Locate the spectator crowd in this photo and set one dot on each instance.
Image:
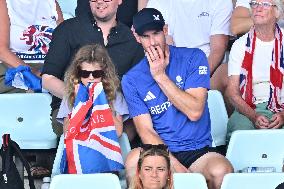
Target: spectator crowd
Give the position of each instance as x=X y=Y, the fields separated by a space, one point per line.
x=156 y=60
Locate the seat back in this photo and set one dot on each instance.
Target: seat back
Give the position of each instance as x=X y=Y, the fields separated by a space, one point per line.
x=189 y=180
x=252 y=180
x=124 y=145
x=26 y=117
x=85 y=181
x=218 y=116
x=256 y=148
x=68 y=8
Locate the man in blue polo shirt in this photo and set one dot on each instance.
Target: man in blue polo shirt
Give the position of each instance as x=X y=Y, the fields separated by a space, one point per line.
x=167 y=97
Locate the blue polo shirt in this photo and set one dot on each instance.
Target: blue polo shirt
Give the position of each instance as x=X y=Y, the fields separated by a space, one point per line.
x=187 y=68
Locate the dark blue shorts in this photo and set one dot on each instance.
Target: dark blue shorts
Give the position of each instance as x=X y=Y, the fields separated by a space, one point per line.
x=188 y=157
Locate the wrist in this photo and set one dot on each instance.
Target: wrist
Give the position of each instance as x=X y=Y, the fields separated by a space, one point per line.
x=253 y=117
x=160 y=78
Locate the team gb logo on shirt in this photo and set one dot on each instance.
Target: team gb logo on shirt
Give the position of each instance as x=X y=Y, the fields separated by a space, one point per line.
x=202 y=70
x=38 y=37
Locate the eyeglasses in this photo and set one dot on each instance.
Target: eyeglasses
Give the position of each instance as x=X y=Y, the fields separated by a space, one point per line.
x=147 y=147
x=106 y=1
x=265 y=5
x=86 y=74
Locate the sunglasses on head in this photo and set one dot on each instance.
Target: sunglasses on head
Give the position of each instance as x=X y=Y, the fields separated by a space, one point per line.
x=146 y=147
x=95 y=74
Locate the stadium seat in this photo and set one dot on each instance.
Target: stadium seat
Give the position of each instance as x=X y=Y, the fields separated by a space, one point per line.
x=252 y=180
x=68 y=8
x=26 y=117
x=58 y=156
x=189 y=180
x=125 y=149
x=124 y=145
x=256 y=148
x=218 y=116
x=85 y=181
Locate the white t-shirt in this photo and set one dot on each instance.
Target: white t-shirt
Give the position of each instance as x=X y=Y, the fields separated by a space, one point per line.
x=245 y=3
x=260 y=67
x=32 y=24
x=192 y=22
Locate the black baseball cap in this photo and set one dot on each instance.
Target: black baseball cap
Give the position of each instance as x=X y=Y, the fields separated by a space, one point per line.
x=148 y=19
x=280 y=186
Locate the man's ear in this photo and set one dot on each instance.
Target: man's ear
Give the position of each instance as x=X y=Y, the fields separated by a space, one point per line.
x=135 y=35
x=165 y=29
x=120 y=2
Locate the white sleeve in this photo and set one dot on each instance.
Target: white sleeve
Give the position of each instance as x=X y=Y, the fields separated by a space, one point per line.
x=164 y=8
x=221 y=18
x=243 y=3
x=161 y=6
x=120 y=106
x=63 y=111
x=236 y=56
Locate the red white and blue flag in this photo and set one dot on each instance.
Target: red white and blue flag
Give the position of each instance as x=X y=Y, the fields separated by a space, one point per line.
x=275 y=103
x=91 y=142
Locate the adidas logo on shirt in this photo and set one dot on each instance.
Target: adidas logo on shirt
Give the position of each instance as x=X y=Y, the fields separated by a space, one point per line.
x=149 y=96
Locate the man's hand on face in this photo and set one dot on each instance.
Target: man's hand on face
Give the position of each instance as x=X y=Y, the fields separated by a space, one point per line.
x=158 y=60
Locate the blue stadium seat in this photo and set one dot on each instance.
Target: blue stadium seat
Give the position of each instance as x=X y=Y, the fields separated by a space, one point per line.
x=125 y=149
x=252 y=180
x=124 y=145
x=58 y=156
x=256 y=148
x=218 y=116
x=26 y=116
x=189 y=180
x=68 y=8
x=85 y=181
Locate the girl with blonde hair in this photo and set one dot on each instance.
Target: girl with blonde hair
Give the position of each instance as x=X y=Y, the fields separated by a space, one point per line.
x=92 y=64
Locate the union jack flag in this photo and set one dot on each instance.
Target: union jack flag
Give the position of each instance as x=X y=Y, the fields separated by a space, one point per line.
x=91 y=143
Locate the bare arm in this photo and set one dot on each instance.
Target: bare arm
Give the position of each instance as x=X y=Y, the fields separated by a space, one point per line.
x=241 y=21
x=66 y=122
x=118 y=123
x=142 y=4
x=59 y=13
x=258 y=120
x=6 y=55
x=148 y=135
x=53 y=85
x=218 y=46
x=191 y=102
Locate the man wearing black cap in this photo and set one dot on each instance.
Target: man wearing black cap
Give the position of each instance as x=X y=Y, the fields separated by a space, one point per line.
x=167 y=97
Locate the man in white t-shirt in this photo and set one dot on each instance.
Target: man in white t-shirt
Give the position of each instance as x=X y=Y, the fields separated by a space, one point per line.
x=256 y=72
